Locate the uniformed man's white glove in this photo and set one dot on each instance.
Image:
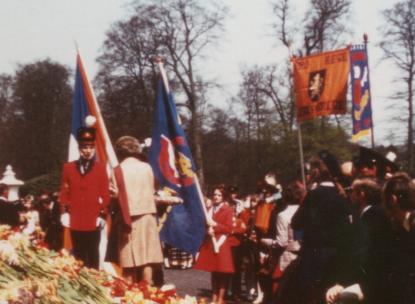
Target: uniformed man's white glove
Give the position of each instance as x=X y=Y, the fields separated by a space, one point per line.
x=65 y=220
x=100 y=222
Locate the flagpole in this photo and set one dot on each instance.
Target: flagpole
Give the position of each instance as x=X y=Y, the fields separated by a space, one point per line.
x=300 y=137
x=300 y=146
x=372 y=129
x=76 y=46
x=107 y=142
x=209 y=220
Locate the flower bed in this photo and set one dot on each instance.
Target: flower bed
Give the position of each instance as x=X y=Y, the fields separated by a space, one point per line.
x=31 y=273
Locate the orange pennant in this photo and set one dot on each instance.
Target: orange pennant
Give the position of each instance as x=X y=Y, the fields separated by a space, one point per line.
x=320 y=83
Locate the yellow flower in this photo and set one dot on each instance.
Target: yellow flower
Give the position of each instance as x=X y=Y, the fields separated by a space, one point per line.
x=4 y=231
x=11 y=291
x=8 y=253
x=19 y=240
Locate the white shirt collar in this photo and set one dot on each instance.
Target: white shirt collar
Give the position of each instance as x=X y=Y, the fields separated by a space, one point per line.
x=365 y=209
x=327 y=184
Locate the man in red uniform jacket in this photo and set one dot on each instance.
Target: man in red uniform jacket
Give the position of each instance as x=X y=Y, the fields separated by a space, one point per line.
x=85 y=194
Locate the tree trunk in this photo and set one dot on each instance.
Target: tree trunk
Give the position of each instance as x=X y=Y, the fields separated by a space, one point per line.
x=199 y=157
x=410 y=125
x=197 y=141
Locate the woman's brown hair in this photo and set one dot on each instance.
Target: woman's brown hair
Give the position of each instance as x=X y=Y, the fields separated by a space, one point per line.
x=401 y=186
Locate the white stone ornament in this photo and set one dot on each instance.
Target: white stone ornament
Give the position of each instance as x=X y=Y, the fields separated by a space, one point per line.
x=9 y=178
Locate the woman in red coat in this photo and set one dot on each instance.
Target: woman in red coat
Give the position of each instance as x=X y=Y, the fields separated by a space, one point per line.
x=219 y=262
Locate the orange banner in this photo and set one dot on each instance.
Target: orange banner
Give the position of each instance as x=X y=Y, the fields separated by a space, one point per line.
x=320 y=83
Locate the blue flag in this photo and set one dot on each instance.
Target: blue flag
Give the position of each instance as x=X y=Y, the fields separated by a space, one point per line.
x=80 y=111
x=361 y=96
x=174 y=169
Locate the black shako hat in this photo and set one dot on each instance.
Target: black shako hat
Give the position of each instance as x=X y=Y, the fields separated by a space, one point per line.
x=331 y=163
x=369 y=158
x=86 y=136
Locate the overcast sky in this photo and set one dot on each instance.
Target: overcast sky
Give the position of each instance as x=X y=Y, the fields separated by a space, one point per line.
x=35 y=30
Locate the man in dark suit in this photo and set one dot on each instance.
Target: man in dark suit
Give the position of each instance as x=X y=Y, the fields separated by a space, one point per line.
x=85 y=194
x=370 y=246
x=323 y=218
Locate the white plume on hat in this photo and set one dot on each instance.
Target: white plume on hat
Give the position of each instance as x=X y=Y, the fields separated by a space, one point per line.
x=90 y=121
x=271 y=179
x=347 y=168
x=391 y=156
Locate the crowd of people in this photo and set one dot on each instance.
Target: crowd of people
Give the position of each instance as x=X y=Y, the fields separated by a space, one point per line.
x=42 y=213
x=345 y=235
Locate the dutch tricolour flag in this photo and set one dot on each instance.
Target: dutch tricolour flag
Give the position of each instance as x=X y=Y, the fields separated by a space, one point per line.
x=84 y=104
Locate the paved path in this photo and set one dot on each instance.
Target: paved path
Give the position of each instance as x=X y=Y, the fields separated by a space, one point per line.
x=191 y=282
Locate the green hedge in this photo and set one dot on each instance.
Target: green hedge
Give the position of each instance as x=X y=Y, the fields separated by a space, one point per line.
x=49 y=182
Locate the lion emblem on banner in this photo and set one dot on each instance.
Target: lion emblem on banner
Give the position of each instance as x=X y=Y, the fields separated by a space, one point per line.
x=316 y=82
x=175 y=166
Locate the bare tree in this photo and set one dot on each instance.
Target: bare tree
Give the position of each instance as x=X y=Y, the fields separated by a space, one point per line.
x=127 y=74
x=258 y=116
x=179 y=30
x=324 y=24
x=276 y=84
x=398 y=45
x=283 y=30
x=323 y=27
x=186 y=30
x=271 y=85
